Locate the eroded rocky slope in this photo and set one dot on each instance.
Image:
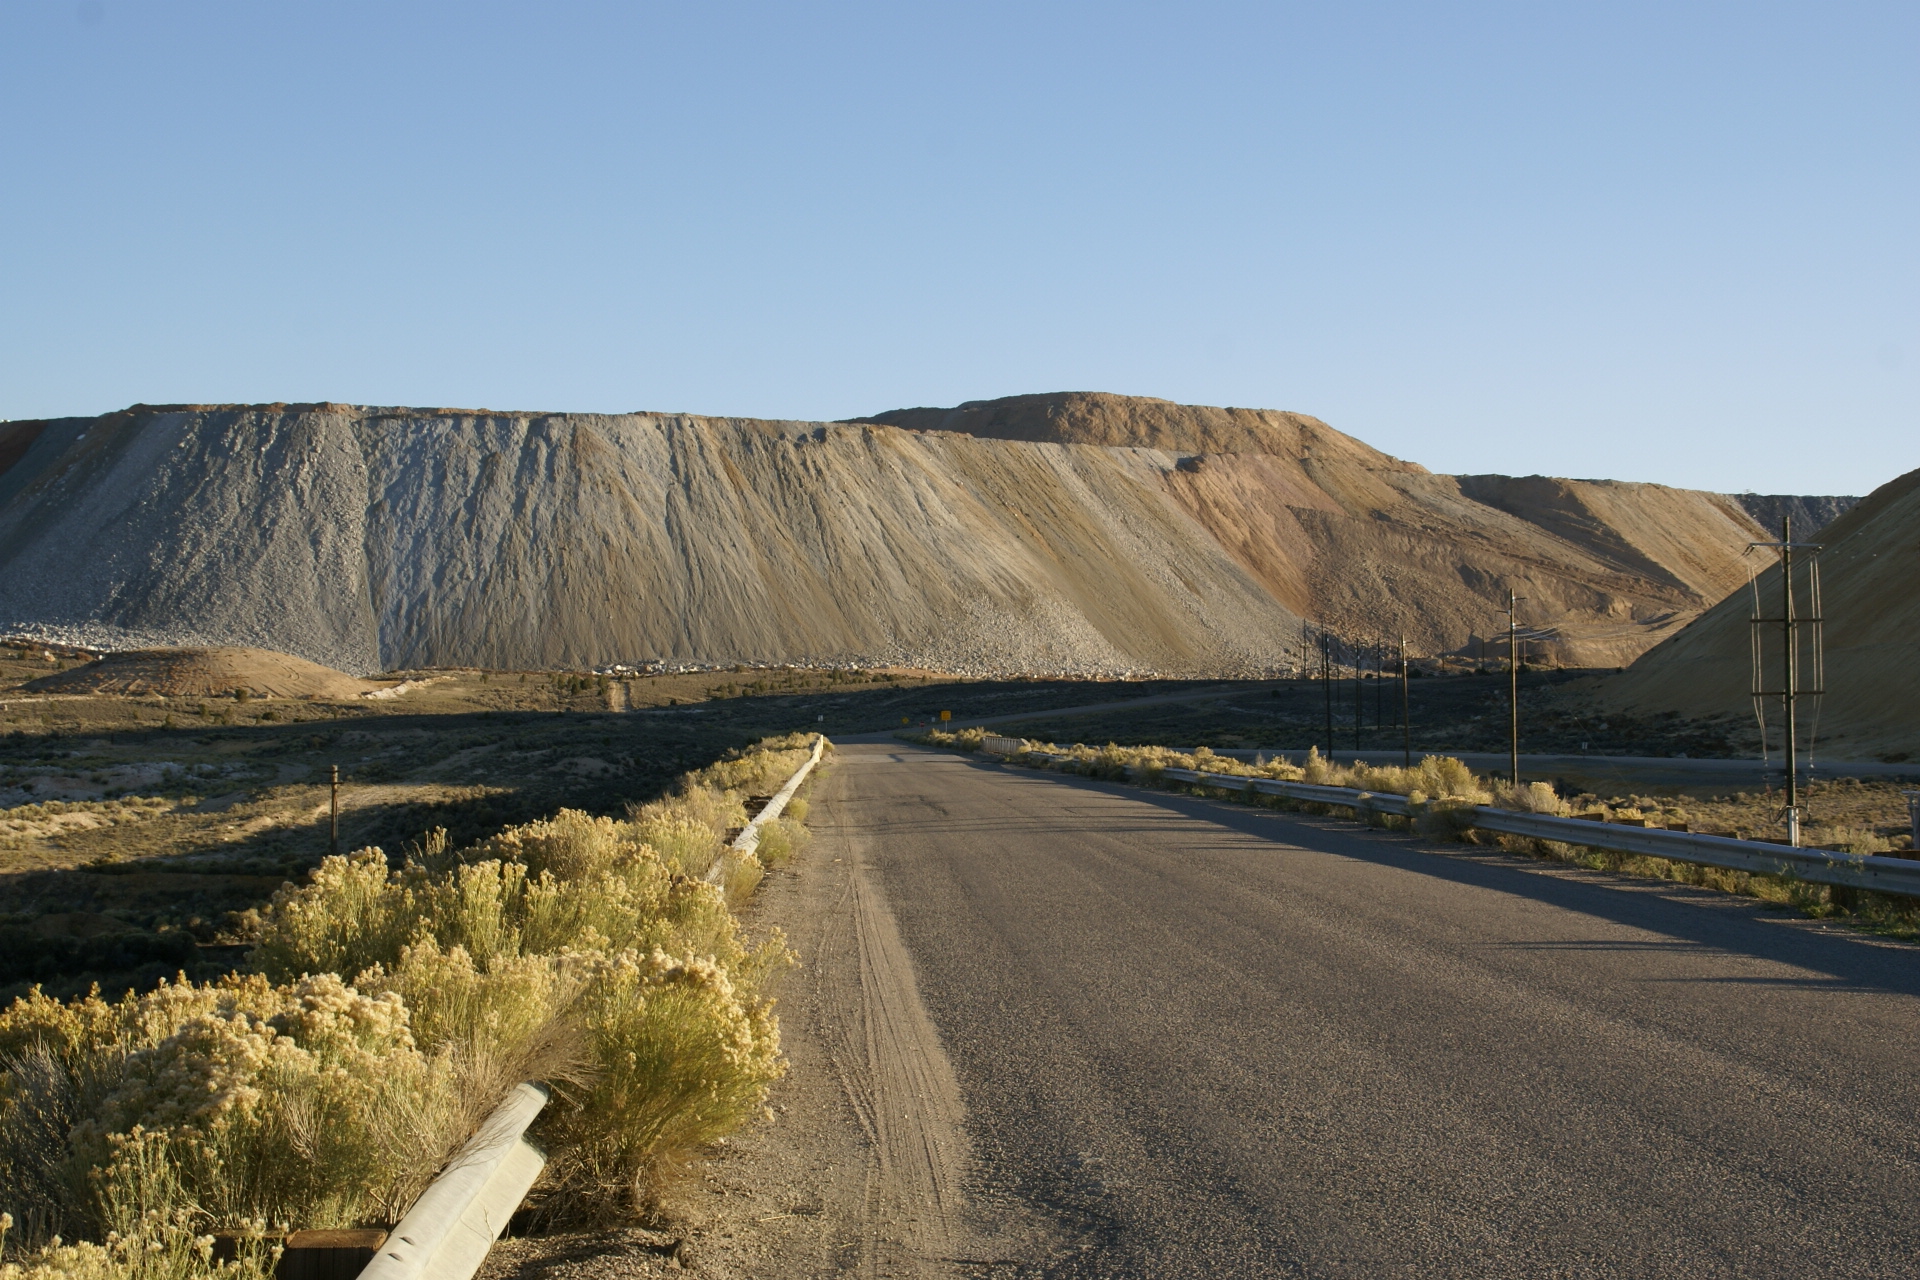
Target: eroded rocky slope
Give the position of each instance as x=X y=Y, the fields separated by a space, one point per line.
x=1041 y=533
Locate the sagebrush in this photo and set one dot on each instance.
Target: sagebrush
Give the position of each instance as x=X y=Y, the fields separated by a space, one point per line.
x=386 y=1010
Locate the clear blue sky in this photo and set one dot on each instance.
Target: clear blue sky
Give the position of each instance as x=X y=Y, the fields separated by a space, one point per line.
x=1670 y=241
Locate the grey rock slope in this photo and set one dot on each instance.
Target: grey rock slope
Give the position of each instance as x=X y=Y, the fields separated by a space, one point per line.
x=1065 y=532
x=1810 y=513
x=371 y=539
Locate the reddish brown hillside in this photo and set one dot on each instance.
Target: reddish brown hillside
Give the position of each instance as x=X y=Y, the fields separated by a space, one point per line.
x=1338 y=531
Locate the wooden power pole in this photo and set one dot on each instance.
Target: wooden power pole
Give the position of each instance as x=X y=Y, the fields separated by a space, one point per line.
x=1513 y=683
x=1406 y=720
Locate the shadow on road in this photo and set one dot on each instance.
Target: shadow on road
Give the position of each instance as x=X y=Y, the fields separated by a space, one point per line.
x=1689 y=917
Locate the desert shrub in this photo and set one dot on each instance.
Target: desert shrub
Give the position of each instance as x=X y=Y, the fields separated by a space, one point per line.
x=687 y=845
x=161 y=1247
x=780 y=840
x=758 y=771
x=797 y=810
x=1440 y=819
x=1528 y=797
x=570 y=845
x=492 y=912
x=1860 y=840
x=389 y=1010
x=241 y=1099
x=346 y=917
x=680 y=1056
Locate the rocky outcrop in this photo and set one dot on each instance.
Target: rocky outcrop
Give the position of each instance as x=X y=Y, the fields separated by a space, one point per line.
x=1809 y=514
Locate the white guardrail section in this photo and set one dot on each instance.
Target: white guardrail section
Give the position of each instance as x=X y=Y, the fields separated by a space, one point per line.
x=749 y=838
x=1820 y=866
x=447 y=1233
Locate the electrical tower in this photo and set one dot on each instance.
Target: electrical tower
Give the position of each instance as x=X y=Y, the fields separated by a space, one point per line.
x=1794 y=683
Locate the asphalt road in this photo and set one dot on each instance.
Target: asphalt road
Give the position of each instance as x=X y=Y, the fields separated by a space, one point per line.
x=1194 y=1038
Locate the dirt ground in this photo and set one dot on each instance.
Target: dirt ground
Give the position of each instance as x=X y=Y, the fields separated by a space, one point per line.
x=137 y=830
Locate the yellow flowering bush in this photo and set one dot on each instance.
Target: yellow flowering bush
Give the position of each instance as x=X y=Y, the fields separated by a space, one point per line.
x=160 y=1247
x=241 y=1098
x=681 y=1055
x=388 y=1010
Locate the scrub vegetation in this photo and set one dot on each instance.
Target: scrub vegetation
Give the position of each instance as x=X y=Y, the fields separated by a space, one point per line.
x=385 y=1006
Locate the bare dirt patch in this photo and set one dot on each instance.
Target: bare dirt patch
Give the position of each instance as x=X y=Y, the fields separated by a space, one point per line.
x=205 y=673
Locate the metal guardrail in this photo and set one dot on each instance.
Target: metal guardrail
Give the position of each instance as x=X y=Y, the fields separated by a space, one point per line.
x=447 y=1233
x=1312 y=793
x=749 y=838
x=1819 y=866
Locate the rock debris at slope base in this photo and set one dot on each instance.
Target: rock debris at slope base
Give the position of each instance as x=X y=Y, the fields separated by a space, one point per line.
x=1071 y=534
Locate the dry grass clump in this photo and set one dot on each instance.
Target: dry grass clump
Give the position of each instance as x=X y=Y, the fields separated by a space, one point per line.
x=388 y=1011
x=962 y=740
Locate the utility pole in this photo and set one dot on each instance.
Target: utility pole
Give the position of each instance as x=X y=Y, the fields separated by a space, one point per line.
x=1326 y=685
x=1791 y=691
x=333 y=838
x=1791 y=651
x=1379 y=684
x=1406 y=720
x=1513 y=682
x=1359 y=707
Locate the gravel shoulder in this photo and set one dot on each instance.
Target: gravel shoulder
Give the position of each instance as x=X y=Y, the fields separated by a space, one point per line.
x=862 y=1164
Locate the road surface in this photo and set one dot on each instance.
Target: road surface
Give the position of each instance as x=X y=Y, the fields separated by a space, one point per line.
x=1140 y=1034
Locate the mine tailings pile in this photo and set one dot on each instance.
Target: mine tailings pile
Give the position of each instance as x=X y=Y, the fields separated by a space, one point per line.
x=1072 y=532
x=1869 y=563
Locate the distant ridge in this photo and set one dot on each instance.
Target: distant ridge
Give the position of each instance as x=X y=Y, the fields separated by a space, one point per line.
x=1809 y=514
x=1140 y=422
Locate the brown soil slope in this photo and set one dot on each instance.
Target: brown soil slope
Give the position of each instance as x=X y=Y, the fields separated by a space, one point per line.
x=1372 y=545
x=1141 y=422
x=1868 y=570
x=1080 y=532
x=204 y=673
